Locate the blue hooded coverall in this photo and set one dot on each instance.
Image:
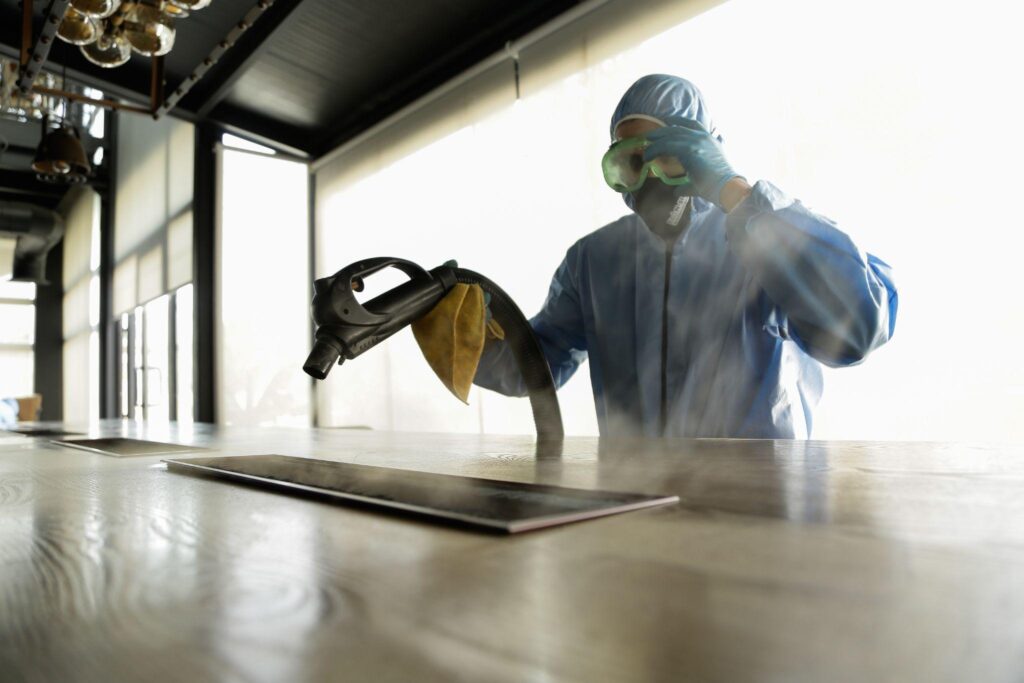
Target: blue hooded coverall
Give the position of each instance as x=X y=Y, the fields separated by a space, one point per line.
x=721 y=334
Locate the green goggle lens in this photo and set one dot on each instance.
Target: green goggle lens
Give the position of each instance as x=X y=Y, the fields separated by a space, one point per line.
x=625 y=170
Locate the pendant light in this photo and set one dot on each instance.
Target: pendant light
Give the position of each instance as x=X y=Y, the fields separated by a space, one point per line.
x=174 y=11
x=97 y=9
x=148 y=29
x=108 y=31
x=78 y=28
x=190 y=5
x=110 y=49
x=60 y=157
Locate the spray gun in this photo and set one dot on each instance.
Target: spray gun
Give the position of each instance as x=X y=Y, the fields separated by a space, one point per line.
x=346 y=328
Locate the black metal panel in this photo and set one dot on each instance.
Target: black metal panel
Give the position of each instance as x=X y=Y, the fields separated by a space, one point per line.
x=204 y=225
x=109 y=327
x=311 y=218
x=48 y=348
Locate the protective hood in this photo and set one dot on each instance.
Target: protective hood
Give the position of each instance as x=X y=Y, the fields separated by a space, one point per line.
x=660 y=96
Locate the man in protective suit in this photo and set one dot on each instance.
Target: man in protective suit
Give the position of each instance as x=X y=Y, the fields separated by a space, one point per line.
x=708 y=311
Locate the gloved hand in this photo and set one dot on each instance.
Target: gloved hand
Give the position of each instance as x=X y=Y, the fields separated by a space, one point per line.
x=700 y=154
x=494 y=330
x=452 y=337
x=453 y=334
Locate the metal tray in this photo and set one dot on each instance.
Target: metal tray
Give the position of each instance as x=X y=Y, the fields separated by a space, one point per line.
x=122 y=448
x=504 y=506
x=41 y=431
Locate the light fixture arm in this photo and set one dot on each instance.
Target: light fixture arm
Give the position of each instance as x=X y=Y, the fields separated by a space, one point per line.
x=26 y=32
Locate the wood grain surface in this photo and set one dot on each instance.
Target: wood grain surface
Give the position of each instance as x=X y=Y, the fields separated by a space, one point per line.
x=784 y=561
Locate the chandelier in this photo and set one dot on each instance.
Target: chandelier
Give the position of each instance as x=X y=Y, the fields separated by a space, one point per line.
x=108 y=31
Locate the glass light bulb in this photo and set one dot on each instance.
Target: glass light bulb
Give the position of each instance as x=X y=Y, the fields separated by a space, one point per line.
x=108 y=51
x=190 y=5
x=97 y=9
x=149 y=30
x=174 y=11
x=77 y=28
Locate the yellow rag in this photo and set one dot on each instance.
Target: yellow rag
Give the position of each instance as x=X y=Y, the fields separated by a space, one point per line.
x=452 y=337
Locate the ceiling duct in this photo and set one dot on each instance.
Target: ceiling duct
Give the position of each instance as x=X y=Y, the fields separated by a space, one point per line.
x=37 y=230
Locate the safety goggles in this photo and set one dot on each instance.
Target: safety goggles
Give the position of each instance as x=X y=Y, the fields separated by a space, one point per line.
x=625 y=170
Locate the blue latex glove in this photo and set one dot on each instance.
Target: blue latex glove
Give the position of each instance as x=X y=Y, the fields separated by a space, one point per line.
x=494 y=330
x=699 y=153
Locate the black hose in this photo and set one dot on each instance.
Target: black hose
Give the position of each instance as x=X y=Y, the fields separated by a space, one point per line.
x=529 y=357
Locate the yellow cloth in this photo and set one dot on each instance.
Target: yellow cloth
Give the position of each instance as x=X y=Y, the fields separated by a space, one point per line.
x=452 y=337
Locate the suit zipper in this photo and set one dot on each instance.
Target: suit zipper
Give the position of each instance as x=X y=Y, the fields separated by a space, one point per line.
x=663 y=421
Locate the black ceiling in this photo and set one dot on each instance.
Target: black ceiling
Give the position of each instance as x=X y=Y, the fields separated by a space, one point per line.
x=310 y=74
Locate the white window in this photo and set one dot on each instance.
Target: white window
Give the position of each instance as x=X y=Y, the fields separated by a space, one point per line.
x=152 y=294
x=17 y=334
x=263 y=290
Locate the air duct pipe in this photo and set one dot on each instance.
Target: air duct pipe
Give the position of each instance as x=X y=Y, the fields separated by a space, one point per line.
x=37 y=230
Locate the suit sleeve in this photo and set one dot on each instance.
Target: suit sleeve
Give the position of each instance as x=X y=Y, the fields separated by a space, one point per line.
x=835 y=301
x=559 y=329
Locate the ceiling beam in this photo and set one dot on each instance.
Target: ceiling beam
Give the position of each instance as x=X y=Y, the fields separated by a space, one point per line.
x=236 y=33
x=489 y=40
x=17 y=149
x=247 y=123
x=39 y=200
x=26 y=183
x=47 y=35
x=216 y=86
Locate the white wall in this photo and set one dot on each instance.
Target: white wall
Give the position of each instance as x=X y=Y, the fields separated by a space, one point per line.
x=81 y=306
x=900 y=120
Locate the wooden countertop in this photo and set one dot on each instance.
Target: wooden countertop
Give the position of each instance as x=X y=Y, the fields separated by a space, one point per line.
x=784 y=561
